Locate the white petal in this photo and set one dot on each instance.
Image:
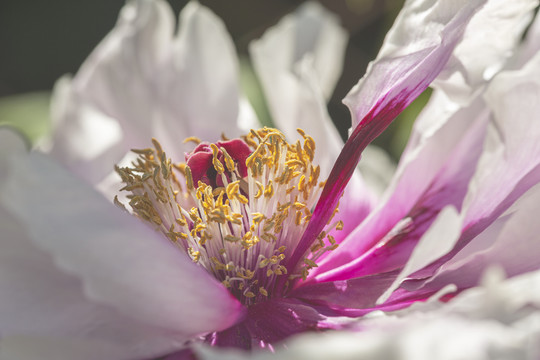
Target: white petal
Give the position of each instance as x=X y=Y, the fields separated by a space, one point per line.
x=200 y=85
x=142 y=82
x=41 y=306
x=297 y=62
x=120 y=261
x=377 y=169
x=490 y=39
x=84 y=139
x=511 y=159
x=529 y=47
x=10 y=142
x=114 y=92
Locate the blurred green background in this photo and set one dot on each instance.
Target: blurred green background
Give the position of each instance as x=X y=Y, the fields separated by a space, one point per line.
x=42 y=40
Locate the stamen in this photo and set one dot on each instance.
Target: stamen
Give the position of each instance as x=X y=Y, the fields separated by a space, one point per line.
x=241 y=216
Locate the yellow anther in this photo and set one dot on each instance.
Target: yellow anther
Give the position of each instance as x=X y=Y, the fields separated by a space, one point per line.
x=269 y=191
x=268 y=237
x=299 y=205
x=305 y=273
x=331 y=239
x=242 y=199
x=229 y=162
x=189 y=178
x=316 y=248
x=193 y=139
x=301 y=183
x=264 y=263
x=258 y=217
x=263 y=291
x=231 y=238
x=260 y=190
x=310 y=263
x=157 y=146
x=146 y=152
x=118 y=203
x=298 y=218
x=215 y=161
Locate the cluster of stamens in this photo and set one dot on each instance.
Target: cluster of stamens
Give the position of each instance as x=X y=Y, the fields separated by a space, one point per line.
x=243 y=231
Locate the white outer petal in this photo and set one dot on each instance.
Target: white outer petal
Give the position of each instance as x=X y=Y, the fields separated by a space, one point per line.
x=512 y=151
x=199 y=86
x=120 y=261
x=490 y=40
x=142 y=81
x=43 y=309
x=114 y=86
x=298 y=61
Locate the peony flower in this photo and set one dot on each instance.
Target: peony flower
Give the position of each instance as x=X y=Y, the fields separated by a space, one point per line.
x=241 y=246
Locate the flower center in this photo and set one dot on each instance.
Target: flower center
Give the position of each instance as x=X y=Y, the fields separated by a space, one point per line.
x=238 y=208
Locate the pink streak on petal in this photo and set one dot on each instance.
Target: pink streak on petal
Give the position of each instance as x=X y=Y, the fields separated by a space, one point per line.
x=391 y=252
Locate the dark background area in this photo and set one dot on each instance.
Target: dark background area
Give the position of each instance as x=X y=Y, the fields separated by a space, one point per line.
x=42 y=40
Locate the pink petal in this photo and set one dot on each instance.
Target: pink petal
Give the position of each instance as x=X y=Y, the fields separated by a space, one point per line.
x=510 y=164
x=270 y=322
x=357 y=293
x=509 y=243
x=392 y=83
x=437 y=241
x=435 y=175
